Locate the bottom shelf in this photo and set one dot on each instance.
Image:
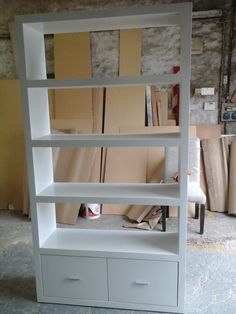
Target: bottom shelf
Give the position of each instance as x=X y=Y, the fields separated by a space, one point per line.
x=112 y=243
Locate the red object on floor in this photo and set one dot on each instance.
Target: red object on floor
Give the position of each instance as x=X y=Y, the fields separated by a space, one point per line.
x=175 y=94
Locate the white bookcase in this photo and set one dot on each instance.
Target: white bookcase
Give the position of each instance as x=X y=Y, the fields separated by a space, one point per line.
x=119 y=269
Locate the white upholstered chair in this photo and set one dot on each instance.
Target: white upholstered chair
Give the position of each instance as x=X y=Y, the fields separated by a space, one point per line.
x=195 y=193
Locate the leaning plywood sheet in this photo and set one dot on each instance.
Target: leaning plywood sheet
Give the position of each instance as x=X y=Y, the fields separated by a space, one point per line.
x=12 y=145
x=232 y=180
x=125 y=106
x=162 y=107
x=155 y=155
x=73 y=103
x=83 y=125
x=216 y=173
x=73 y=165
x=72 y=55
x=206 y=131
x=72 y=60
x=130 y=52
x=124 y=165
x=80 y=161
x=97 y=128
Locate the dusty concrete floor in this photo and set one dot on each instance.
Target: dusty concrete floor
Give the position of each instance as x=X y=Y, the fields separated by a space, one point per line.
x=211 y=267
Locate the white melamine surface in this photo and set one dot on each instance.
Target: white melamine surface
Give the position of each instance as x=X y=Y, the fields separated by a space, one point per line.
x=109 y=19
x=111 y=193
x=106 y=81
x=139 y=281
x=75 y=277
x=112 y=243
x=100 y=140
x=91 y=248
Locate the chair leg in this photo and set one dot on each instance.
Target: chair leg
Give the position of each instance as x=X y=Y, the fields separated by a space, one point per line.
x=202 y=218
x=167 y=211
x=163 y=208
x=196 y=211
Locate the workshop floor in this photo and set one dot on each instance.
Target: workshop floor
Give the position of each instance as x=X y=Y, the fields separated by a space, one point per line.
x=211 y=267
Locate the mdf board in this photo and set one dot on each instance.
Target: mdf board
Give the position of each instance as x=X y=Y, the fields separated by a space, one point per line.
x=125 y=106
x=155 y=155
x=130 y=52
x=162 y=107
x=216 y=173
x=232 y=180
x=98 y=94
x=72 y=60
x=12 y=145
x=124 y=165
x=72 y=55
x=73 y=165
x=206 y=131
x=82 y=125
x=73 y=103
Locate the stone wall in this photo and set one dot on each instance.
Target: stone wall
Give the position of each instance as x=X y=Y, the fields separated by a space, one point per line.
x=158 y=46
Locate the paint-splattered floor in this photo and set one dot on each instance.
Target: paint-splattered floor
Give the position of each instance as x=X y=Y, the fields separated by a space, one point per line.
x=211 y=267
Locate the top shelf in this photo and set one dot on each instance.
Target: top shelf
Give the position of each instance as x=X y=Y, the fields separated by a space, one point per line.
x=108 y=19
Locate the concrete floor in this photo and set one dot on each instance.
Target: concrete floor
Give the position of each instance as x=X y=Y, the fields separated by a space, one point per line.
x=211 y=267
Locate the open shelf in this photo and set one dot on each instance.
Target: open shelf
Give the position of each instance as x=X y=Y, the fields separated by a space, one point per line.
x=107 y=140
x=112 y=243
x=111 y=193
x=106 y=81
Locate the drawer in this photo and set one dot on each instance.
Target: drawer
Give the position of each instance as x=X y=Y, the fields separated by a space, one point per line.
x=74 y=277
x=140 y=281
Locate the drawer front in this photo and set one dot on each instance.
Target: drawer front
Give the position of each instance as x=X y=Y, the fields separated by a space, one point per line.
x=74 y=277
x=139 y=281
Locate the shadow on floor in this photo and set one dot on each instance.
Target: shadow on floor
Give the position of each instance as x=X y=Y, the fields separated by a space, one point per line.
x=18 y=288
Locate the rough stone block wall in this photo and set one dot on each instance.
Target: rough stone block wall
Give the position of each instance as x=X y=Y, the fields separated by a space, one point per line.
x=159 y=46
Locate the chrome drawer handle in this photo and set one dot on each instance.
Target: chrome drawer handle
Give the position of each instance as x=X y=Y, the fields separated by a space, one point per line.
x=142 y=283
x=72 y=278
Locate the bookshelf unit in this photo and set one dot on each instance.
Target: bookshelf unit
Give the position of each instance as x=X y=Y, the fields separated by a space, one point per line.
x=106 y=268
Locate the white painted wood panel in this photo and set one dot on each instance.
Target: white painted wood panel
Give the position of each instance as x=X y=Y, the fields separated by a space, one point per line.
x=74 y=277
x=46 y=217
x=111 y=193
x=107 y=140
x=42 y=168
x=112 y=243
x=139 y=281
x=34 y=50
x=106 y=81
